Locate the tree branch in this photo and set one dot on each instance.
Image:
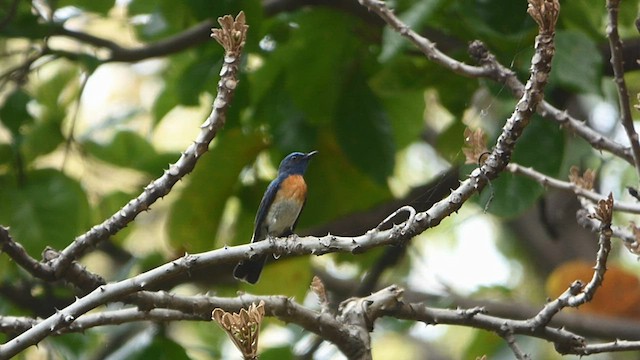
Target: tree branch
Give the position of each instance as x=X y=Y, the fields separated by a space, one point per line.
x=477 y=318
x=161 y=186
x=547 y=181
x=503 y=75
x=618 y=72
x=22 y=258
x=189 y=38
x=577 y=294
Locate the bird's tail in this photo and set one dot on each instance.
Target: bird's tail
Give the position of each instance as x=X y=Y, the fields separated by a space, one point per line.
x=249 y=270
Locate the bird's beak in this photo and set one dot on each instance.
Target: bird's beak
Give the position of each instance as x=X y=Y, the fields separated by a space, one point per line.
x=311 y=154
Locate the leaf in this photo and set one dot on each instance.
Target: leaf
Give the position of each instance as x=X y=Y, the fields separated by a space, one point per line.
x=363 y=131
x=48 y=209
x=315 y=55
x=196 y=77
x=475 y=142
x=290 y=277
x=57 y=93
x=277 y=353
x=351 y=189
x=161 y=348
x=195 y=216
x=188 y=75
x=109 y=205
x=24 y=23
x=582 y=76
x=128 y=149
x=469 y=20
x=584 y=17
x=164 y=102
x=291 y=132
x=417 y=74
x=6 y=154
x=41 y=138
x=406 y=112
x=13 y=113
x=414 y=18
x=482 y=343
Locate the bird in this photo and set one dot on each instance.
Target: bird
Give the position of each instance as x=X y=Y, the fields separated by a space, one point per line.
x=279 y=210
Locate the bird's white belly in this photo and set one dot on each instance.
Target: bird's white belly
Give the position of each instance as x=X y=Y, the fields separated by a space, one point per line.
x=282 y=216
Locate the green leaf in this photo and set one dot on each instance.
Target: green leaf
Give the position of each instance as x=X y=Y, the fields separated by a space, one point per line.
x=128 y=149
x=109 y=205
x=13 y=113
x=164 y=17
x=195 y=217
x=188 y=75
x=584 y=17
x=414 y=17
x=468 y=20
x=331 y=170
x=406 y=112
x=196 y=77
x=584 y=75
x=71 y=346
x=541 y=147
x=416 y=73
x=164 y=102
x=6 y=154
x=277 y=353
x=450 y=142
x=315 y=55
x=24 y=23
x=41 y=138
x=48 y=209
x=288 y=125
x=162 y=348
x=483 y=343
x=290 y=277
x=57 y=93
x=363 y=131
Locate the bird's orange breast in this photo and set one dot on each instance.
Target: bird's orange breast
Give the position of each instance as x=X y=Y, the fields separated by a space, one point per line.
x=292 y=188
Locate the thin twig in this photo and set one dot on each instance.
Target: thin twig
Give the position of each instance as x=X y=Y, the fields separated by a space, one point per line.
x=618 y=73
x=504 y=75
x=578 y=294
x=184 y=40
x=74 y=119
x=508 y=336
x=492 y=69
x=22 y=258
x=548 y=181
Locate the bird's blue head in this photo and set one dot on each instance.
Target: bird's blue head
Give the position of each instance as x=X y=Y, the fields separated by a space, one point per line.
x=295 y=163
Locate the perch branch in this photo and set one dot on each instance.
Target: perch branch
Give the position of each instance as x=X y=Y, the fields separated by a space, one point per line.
x=233 y=44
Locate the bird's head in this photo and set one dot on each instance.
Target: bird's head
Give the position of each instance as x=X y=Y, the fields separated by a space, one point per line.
x=295 y=163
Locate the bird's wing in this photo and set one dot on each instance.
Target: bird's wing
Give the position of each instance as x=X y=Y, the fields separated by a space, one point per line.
x=263 y=209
